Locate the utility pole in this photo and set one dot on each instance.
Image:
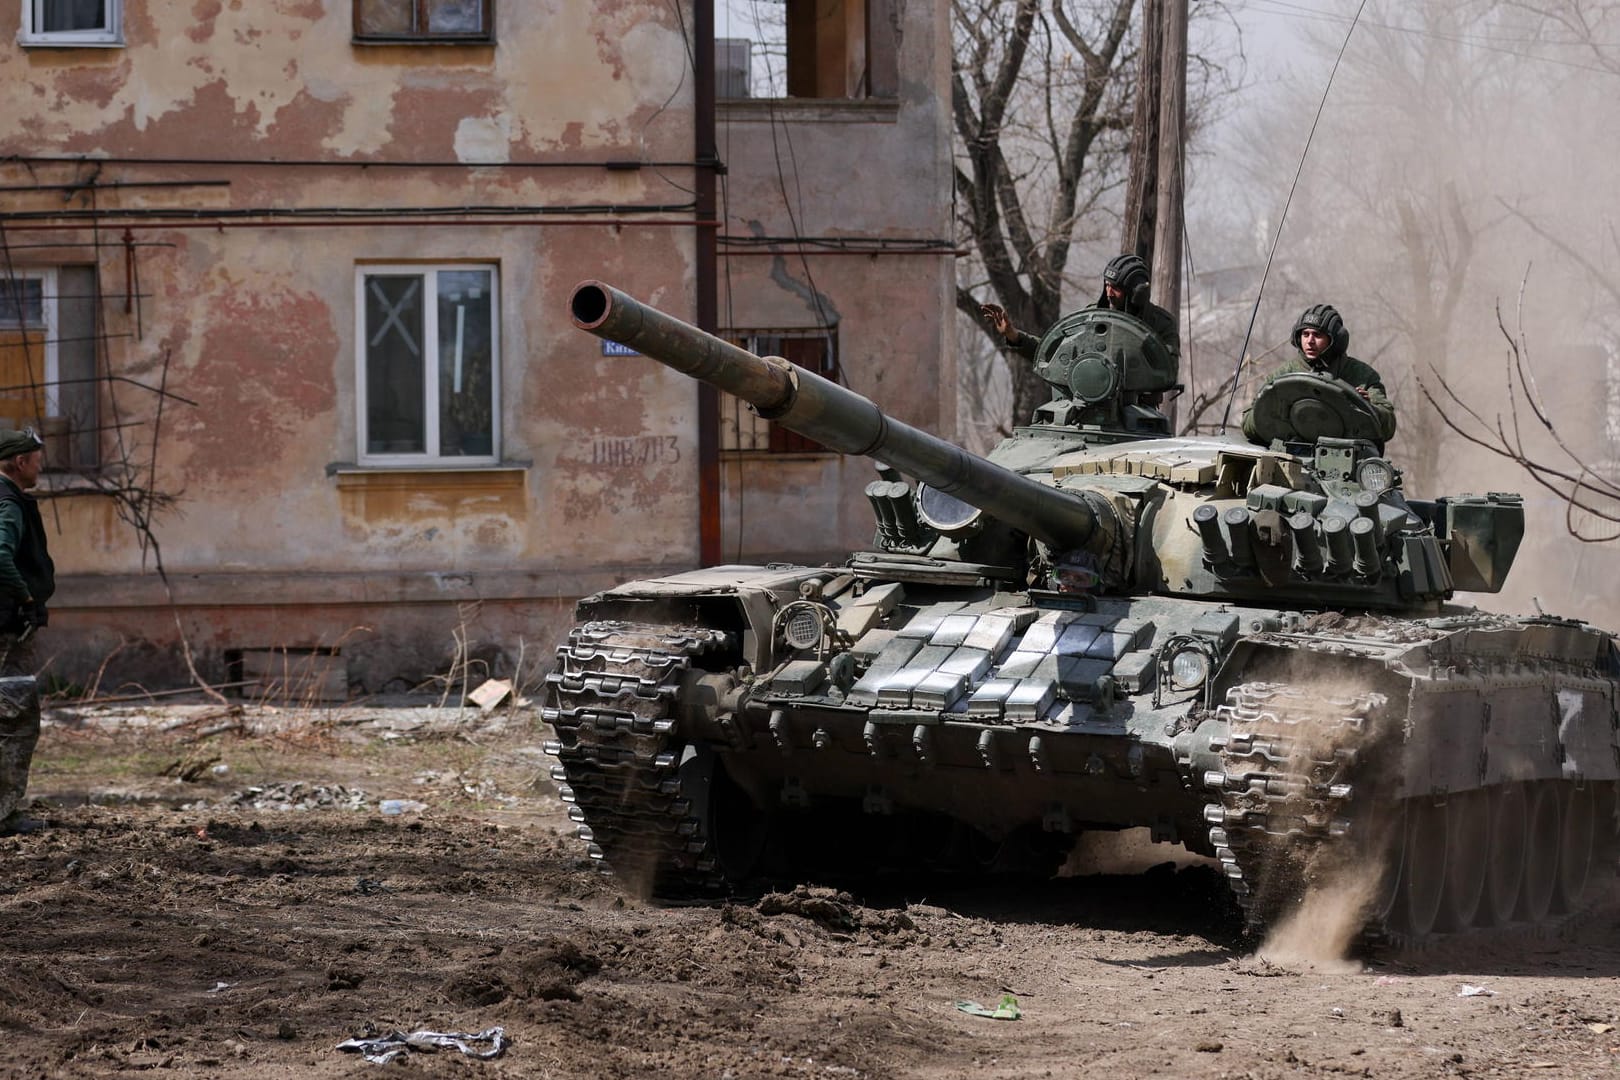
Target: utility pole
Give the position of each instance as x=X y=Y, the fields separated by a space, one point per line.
x=1172 y=131
x=1155 y=196
x=1172 y=187
x=1141 y=196
x=706 y=154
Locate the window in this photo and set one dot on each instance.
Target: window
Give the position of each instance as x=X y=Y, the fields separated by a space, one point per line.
x=741 y=429
x=72 y=22
x=47 y=361
x=806 y=49
x=429 y=364
x=431 y=21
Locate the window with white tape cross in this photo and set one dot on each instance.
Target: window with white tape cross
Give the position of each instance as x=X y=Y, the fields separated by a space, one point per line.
x=428 y=351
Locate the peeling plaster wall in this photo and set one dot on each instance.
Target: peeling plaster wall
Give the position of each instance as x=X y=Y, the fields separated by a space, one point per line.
x=277 y=539
x=861 y=172
x=889 y=322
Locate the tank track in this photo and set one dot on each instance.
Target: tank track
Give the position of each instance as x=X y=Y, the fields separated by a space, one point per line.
x=612 y=702
x=1284 y=789
x=1289 y=816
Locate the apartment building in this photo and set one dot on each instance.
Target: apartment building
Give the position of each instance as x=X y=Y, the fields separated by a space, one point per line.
x=284 y=285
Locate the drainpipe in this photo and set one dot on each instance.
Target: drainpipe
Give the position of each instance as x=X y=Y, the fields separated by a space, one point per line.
x=708 y=167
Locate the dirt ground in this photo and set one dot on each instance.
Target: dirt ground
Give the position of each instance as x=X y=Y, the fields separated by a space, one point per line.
x=226 y=896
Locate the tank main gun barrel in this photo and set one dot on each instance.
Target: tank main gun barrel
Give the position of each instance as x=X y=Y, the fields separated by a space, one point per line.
x=834 y=416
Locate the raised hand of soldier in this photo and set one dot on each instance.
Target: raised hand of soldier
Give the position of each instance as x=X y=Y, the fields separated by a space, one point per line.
x=996 y=316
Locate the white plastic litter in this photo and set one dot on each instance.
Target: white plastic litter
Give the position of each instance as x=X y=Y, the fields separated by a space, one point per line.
x=1475 y=991
x=381 y=1049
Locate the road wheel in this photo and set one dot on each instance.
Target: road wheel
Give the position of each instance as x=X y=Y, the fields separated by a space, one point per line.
x=1542 y=839
x=1468 y=844
x=1576 y=844
x=1383 y=907
x=1504 y=878
x=1426 y=845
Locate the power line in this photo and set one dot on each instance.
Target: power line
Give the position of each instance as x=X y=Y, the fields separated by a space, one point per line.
x=1325 y=14
x=1317 y=15
x=1226 y=417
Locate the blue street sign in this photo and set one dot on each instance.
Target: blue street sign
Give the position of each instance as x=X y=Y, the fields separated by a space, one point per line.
x=613 y=348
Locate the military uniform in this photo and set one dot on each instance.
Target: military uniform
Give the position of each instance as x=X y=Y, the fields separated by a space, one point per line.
x=1336 y=363
x=27 y=577
x=27 y=580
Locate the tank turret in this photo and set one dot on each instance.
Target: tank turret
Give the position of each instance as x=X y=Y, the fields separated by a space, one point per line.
x=1110 y=499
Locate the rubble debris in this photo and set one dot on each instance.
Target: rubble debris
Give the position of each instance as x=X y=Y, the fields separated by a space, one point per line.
x=295 y=795
x=831 y=909
x=491 y=693
x=382 y=1049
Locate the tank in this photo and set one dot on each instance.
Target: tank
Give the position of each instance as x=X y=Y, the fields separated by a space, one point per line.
x=1249 y=650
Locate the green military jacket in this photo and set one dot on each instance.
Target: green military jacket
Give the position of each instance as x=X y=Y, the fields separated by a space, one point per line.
x=26 y=570
x=1347 y=369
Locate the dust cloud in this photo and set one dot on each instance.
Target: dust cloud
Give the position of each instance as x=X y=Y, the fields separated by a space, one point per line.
x=1462 y=169
x=1322 y=894
x=1349 y=885
x=1320 y=933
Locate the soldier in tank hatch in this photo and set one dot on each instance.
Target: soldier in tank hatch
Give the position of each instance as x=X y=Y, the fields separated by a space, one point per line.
x=1323 y=341
x=1125 y=287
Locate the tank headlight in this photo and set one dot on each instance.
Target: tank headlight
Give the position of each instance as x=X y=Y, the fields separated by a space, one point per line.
x=1375 y=474
x=946 y=513
x=802 y=629
x=1189 y=668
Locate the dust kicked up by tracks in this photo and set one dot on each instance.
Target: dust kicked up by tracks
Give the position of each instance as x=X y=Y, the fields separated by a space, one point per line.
x=172 y=928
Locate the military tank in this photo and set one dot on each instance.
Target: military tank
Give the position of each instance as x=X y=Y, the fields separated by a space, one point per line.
x=1247 y=649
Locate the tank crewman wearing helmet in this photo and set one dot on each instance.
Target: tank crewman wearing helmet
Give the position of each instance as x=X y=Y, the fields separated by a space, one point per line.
x=1323 y=341
x=1125 y=288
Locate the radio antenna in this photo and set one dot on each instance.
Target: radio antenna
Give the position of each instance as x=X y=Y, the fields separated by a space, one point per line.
x=1237 y=372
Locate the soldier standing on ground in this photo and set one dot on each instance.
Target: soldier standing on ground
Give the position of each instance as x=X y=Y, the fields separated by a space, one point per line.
x=1323 y=342
x=27 y=580
x=1126 y=286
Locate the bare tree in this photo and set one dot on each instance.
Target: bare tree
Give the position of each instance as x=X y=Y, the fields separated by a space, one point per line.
x=1041 y=91
x=983 y=389
x=1550 y=437
x=1591 y=26
x=1529 y=437
x=1408 y=245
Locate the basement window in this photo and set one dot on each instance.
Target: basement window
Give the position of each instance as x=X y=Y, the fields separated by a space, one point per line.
x=48 y=361
x=424 y=22
x=428 y=346
x=741 y=430
x=289 y=677
x=72 y=22
x=827 y=49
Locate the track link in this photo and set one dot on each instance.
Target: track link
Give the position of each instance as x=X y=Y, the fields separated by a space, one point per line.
x=612 y=701
x=1284 y=789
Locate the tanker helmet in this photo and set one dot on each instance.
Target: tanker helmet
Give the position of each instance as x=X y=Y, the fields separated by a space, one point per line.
x=1129 y=274
x=1324 y=318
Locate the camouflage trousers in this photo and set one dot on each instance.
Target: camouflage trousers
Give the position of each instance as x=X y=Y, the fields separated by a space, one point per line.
x=17 y=657
x=19 y=720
